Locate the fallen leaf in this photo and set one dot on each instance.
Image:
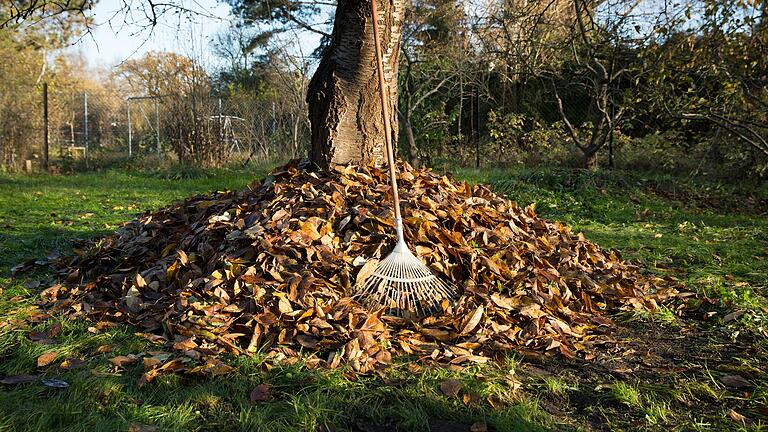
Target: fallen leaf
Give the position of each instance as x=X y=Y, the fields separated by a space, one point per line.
x=18 y=379
x=478 y=427
x=46 y=358
x=306 y=341
x=735 y=381
x=122 y=361
x=55 y=383
x=739 y=418
x=71 y=363
x=261 y=393
x=473 y=321
x=450 y=388
x=366 y=271
x=733 y=316
x=133 y=298
x=54 y=330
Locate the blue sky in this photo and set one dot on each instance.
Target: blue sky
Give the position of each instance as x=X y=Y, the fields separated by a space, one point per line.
x=119 y=34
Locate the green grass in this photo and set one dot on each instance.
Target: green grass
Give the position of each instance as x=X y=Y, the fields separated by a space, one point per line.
x=718 y=250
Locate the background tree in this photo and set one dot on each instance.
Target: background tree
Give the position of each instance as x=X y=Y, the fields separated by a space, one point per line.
x=183 y=88
x=29 y=47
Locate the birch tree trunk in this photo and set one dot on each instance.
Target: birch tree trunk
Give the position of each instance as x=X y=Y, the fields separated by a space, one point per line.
x=343 y=98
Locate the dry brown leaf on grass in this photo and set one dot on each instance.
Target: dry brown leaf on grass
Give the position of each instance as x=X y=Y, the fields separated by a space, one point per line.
x=122 y=361
x=739 y=418
x=261 y=393
x=450 y=388
x=18 y=379
x=736 y=381
x=46 y=358
x=71 y=363
x=478 y=427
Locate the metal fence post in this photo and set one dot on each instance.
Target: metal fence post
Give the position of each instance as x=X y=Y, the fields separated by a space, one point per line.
x=221 y=130
x=476 y=131
x=157 y=124
x=45 y=126
x=85 y=125
x=130 y=129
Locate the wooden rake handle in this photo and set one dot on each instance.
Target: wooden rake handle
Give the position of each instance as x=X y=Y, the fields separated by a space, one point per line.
x=387 y=126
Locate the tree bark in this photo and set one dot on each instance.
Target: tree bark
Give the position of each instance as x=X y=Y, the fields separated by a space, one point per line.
x=590 y=161
x=413 y=149
x=344 y=105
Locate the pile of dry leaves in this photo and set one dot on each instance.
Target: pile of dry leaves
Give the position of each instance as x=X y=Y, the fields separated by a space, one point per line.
x=269 y=269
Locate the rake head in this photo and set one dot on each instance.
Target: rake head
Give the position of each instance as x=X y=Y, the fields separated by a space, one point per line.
x=404 y=286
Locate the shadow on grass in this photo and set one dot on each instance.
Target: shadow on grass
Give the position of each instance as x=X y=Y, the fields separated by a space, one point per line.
x=19 y=246
x=102 y=397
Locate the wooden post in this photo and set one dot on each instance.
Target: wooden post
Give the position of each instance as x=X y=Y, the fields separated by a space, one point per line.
x=45 y=126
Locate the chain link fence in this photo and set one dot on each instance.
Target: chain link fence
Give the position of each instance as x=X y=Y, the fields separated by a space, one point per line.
x=93 y=129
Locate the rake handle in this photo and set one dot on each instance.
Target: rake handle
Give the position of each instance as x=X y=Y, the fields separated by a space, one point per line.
x=387 y=125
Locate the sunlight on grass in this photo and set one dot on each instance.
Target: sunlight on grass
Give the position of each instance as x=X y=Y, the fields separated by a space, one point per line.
x=626 y=394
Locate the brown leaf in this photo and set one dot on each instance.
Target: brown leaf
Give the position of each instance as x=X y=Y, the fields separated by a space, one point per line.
x=71 y=363
x=183 y=258
x=46 y=358
x=261 y=393
x=18 y=379
x=306 y=341
x=451 y=387
x=150 y=362
x=284 y=305
x=735 y=381
x=185 y=344
x=168 y=367
x=366 y=271
x=473 y=321
x=122 y=361
x=739 y=418
x=733 y=316
x=54 y=330
x=441 y=335
x=309 y=228
x=478 y=427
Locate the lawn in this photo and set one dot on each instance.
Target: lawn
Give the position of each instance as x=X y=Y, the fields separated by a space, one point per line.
x=664 y=373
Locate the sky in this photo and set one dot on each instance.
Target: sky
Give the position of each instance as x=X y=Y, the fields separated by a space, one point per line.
x=121 y=33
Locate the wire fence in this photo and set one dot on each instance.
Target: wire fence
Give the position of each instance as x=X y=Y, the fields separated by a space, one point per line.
x=97 y=128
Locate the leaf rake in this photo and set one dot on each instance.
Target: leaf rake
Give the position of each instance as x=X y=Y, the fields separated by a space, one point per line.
x=401 y=283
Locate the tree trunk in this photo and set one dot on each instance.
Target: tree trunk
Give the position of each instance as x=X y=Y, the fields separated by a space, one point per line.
x=413 y=149
x=590 y=160
x=343 y=97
